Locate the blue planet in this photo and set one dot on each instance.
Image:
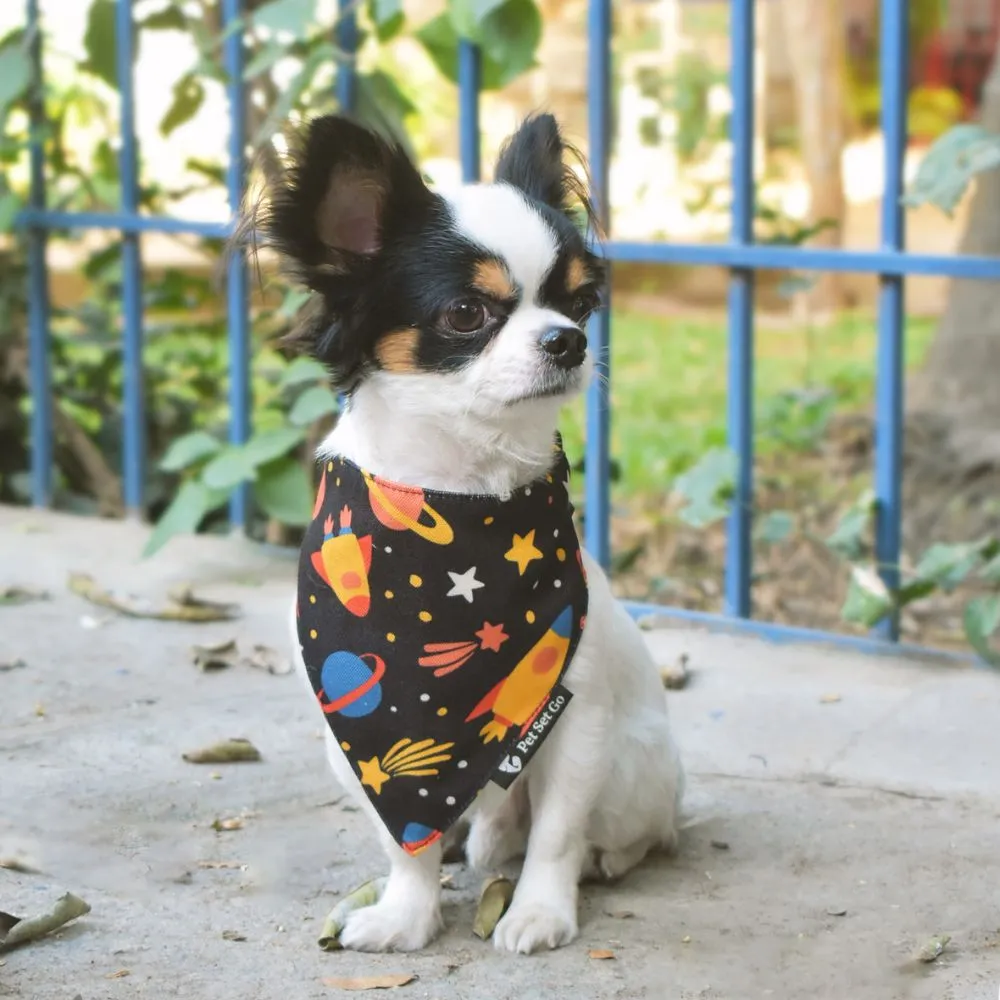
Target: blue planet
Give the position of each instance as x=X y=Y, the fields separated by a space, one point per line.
x=349 y=686
x=417 y=837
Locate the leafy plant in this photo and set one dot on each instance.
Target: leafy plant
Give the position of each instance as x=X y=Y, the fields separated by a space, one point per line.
x=290 y=61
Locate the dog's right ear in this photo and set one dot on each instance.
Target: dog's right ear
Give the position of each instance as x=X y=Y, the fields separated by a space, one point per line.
x=340 y=192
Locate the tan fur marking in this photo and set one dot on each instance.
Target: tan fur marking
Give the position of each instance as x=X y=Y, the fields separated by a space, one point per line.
x=492 y=278
x=397 y=351
x=576 y=275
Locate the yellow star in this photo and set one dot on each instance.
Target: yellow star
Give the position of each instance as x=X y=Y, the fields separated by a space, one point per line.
x=523 y=551
x=372 y=775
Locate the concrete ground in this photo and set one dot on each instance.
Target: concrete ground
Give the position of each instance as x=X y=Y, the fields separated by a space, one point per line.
x=858 y=797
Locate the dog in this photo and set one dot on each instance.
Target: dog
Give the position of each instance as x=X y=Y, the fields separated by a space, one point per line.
x=453 y=324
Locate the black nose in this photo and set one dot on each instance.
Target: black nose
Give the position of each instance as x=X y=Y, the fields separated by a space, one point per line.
x=565 y=345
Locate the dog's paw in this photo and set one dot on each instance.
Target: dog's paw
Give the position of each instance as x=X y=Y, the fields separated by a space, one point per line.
x=389 y=928
x=492 y=843
x=530 y=927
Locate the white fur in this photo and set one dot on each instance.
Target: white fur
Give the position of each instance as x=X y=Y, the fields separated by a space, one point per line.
x=605 y=787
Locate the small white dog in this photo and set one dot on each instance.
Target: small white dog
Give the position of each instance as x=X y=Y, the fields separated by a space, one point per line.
x=453 y=324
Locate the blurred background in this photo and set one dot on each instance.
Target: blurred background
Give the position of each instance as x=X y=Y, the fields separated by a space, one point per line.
x=819 y=175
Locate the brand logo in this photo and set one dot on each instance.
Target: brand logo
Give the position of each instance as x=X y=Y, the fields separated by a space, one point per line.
x=523 y=745
x=511 y=764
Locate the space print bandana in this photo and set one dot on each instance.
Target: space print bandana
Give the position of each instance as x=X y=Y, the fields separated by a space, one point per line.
x=435 y=629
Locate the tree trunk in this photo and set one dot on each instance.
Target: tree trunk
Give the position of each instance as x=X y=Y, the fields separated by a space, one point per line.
x=961 y=378
x=814 y=34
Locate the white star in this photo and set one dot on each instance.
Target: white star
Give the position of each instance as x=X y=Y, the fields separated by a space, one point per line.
x=464 y=584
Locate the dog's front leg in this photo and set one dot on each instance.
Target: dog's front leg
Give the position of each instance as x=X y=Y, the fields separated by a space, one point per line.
x=408 y=916
x=563 y=784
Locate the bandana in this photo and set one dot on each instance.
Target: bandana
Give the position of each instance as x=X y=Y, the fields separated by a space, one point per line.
x=435 y=629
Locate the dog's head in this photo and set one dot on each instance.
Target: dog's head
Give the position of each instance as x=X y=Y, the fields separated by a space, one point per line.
x=472 y=301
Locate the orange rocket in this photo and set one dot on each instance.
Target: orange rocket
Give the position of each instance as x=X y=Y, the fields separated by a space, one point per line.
x=515 y=700
x=343 y=562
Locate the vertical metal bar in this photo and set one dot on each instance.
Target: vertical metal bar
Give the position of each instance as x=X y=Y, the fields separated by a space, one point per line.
x=889 y=375
x=739 y=417
x=39 y=373
x=134 y=450
x=347 y=42
x=597 y=466
x=237 y=283
x=469 y=85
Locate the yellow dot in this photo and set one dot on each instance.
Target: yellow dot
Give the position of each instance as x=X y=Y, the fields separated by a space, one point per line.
x=312 y=633
x=561 y=555
x=391 y=636
x=389 y=595
x=312 y=598
x=530 y=617
x=442 y=712
x=415 y=580
x=424 y=616
x=329 y=466
x=345 y=745
x=338 y=480
x=548 y=479
x=488 y=520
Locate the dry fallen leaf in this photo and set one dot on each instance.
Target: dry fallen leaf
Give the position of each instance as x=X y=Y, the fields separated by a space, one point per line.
x=120 y=974
x=215 y=656
x=601 y=955
x=233 y=936
x=227 y=752
x=676 y=677
x=17 y=930
x=223 y=864
x=620 y=914
x=370 y=982
x=266 y=658
x=16 y=664
x=183 y=606
x=15 y=595
x=829 y=699
x=721 y=845
x=493 y=902
x=836 y=911
x=18 y=865
x=933 y=949
x=233 y=823
x=686 y=939
x=365 y=895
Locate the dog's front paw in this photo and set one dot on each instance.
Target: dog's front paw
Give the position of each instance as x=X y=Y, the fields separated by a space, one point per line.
x=532 y=926
x=390 y=927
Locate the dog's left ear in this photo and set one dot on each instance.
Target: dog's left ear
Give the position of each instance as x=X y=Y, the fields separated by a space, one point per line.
x=533 y=160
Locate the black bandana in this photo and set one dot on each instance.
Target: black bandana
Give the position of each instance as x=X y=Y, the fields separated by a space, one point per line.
x=435 y=628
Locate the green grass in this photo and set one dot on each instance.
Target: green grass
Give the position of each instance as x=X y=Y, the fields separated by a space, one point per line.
x=668 y=387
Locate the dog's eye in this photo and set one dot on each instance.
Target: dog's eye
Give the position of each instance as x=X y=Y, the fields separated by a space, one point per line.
x=466 y=316
x=584 y=303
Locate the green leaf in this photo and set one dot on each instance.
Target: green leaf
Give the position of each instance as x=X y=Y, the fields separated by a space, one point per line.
x=269 y=53
x=229 y=468
x=301 y=370
x=948 y=565
x=915 y=590
x=15 y=75
x=382 y=105
x=189 y=449
x=868 y=599
x=293 y=16
x=707 y=486
x=981 y=619
x=284 y=492
x=171 y=18
x=100 y=43
x=991 y=571
x=10 y=205
x=950 y=164
x=776 y=526
x=315 y=402
x=266 y=446
x=387 y=16
x=506 y=37
x=848 y=537
x=467 y=16
x=189 y=95
x=192 y=502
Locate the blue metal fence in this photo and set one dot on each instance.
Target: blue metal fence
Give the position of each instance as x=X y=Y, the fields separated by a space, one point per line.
x=890 y=262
